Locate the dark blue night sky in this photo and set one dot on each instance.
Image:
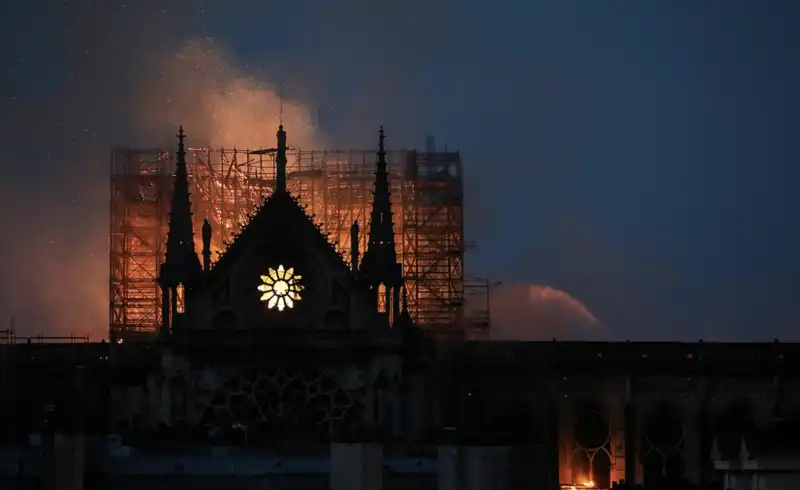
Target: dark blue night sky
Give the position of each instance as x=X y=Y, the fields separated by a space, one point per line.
x=635 y=155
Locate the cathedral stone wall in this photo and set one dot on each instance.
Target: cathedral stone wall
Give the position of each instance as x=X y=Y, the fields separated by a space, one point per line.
x=652 y=413
x=203 y=482
x=607 y=411
x=271 y=399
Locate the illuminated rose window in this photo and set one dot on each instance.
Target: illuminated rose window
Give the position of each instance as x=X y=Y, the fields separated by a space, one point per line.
x=281 y=288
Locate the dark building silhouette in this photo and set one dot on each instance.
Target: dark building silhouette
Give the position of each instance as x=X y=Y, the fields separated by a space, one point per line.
x=283 y=365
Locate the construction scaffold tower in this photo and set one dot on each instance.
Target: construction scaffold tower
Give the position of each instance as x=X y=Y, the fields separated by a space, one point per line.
x=336 y=188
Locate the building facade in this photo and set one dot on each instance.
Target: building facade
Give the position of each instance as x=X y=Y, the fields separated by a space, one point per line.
x=282 y=365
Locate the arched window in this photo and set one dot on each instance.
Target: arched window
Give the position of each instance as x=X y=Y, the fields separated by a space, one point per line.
x=179 y=304
x=662 y=447
x=382 y=306
x=591 y=461
x=734 y=422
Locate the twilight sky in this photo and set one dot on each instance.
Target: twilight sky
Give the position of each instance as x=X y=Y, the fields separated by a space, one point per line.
x=635 y=156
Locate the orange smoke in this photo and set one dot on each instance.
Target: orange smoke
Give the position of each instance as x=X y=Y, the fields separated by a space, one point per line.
x=218 y=104
x=57 y=263
x=536 y=312
x=56 y=267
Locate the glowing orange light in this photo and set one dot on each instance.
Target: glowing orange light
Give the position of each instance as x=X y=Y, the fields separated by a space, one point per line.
x=281 y=288
x=586 y=485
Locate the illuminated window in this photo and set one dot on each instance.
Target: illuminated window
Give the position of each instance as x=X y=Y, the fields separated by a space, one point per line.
x=281 y=288
x=179 y=306
x=382 y=298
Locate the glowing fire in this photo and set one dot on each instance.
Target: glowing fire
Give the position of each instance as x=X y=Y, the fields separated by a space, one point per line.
x=281 y=288
x=586 y=485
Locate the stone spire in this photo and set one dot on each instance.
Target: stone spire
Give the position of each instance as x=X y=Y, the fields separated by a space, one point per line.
x=181 y=263
x=381 y=231
x=379 y=265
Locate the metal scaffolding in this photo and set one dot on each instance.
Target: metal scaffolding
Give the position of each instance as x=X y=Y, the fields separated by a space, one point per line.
x=336 y=187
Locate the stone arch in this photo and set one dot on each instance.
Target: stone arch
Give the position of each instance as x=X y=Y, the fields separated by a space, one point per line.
x=591 y=435
x=662 y=446
x=732 y=422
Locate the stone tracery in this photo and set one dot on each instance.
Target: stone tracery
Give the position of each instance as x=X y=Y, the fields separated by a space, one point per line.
x=733 y=423
x=591 y=460
x=663 y=445
x=281 y=400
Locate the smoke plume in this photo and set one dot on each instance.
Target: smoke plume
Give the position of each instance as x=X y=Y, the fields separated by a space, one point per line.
x=133 y=75
x=536 y=312
x=95 y=75
x=218 y=103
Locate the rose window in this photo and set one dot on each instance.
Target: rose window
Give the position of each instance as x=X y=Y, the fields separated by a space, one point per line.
x=281 y=288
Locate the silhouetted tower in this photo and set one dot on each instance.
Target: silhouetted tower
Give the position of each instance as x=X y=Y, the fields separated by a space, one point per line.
x=206 y=245
x=181 y=265
x=379 y=266
x=280 y=161
x=354 y=246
